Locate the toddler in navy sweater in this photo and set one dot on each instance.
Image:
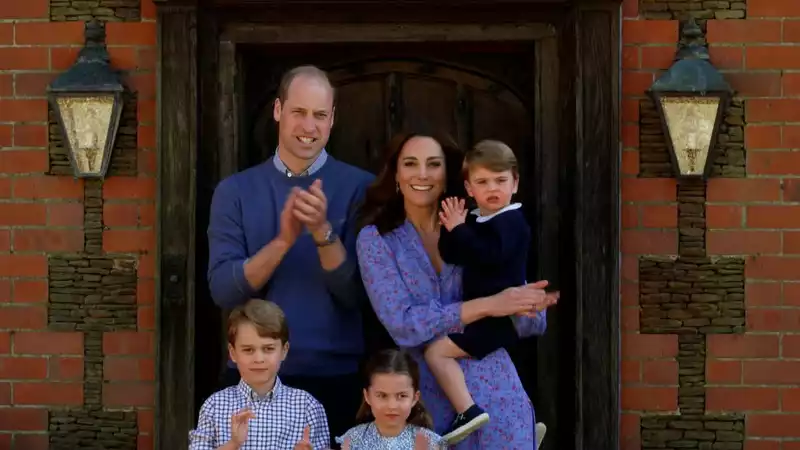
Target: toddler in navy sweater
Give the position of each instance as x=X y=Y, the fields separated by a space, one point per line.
x=491 y=245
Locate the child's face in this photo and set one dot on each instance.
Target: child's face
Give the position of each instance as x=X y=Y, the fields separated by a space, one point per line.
x=492 y=190
x=257 y=358
x=391 y=397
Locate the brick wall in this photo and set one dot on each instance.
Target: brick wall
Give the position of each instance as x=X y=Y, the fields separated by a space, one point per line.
x=711 y=273
x=76 y=258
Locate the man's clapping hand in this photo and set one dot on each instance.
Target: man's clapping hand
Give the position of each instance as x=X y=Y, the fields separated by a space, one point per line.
x=305 y=442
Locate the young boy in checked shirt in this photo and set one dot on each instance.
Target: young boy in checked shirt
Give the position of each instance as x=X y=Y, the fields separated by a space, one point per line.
x=260 y=412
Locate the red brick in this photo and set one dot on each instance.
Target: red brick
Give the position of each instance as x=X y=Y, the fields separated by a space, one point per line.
x=773 y=268
x=772 y=57
x=147 y=215
x=763 y=294
x=146 y=111
x=791 y=84
x=128 y=241
x=762 y=136
x=773 y=216
x=5 y=240
x=729 y=399
x=30 y=136
x=146 y=162
x=791 y=136
x=649 y=345
x=120 y=214
x=24 y=58
x=630 y=162
x=772 y=110
x=771 y=372
x=48 y=187
x=772 y=8
x=129 y=188
x=724 y=216
x=144 y=84
x=24 y=161
x=660 y=372
x=630 y=216
x=127 y=343
x=636 y=83
x=65 y=214
x=129 y=369
x=28 y=9
x=32 y=442
x=131 y=33
x=630 y=432
x=660 y=57
x=650 y=31
x=61 y=58
x=649 y=242
x=49 y=33
x=772 y=425
x=30 y=291
x=791 y=31
x=16 y=214
x=23 y=368
x=6 y=34
x=791 y=294
x=66 y=369
x=48 y=240
x=790 y=399
x=659 y=216
x=23 y=317
x=726 y=57
x=5 y=342
x=630 y=135
x=648 y=189
x=146 y=318
x=23 y=110
x=33 y=84
x=630 y=57
x=739 y=31
x=146 y=421
x=791 y=242
x=649 y=398
x=6 y=135
x=61 y=394
x=630 y=110
x=742 y=346
x=763 y=319
x=124 y=58
x=147 y=58
x=147 y=266
x=5 y=288
x=791 y=346
x=6 y=83
x=23 y=419
x=48 y=343
x=743 y=242
x=743 y=190
x=630 y=371
x=128 y=394
x=145 y=292
x=630 y=319
x=146 y=442
x=755 y=84
x=5 y=393
x=723 y=372
x=23 y=266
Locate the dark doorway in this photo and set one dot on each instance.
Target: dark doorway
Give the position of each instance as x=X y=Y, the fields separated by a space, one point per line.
x=471 y=91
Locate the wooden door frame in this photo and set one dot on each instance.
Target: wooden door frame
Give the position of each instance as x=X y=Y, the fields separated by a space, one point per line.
x=577 y=112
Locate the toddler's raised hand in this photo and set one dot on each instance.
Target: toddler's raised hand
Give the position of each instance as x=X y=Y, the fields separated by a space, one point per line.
x=452 y=213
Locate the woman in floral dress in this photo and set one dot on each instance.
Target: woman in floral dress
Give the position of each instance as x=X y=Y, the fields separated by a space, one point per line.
x=418 y=298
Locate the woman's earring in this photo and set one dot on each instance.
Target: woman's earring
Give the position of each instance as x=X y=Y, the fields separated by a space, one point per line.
x=397 y=187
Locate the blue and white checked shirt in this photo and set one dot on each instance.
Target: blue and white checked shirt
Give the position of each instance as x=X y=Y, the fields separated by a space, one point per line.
x=280 y=418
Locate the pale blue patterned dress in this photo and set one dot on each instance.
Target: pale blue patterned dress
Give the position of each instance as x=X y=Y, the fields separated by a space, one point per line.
x=367 y=437
x=417 y=305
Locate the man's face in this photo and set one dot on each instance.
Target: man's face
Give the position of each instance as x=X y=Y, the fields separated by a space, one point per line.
x=257 y=358
x=304 y=119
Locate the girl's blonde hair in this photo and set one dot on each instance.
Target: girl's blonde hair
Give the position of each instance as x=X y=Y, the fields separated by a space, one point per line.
x=393 y=361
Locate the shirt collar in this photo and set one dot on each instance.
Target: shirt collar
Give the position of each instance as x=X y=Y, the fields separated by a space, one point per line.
x=314 y=167
x=482 y=219
x=253 y=396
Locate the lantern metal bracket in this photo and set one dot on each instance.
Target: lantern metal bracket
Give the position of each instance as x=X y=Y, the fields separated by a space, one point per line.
x=91 y=74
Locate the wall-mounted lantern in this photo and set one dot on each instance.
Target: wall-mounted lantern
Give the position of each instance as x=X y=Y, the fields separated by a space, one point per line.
x=87 y=100
x=691 y=98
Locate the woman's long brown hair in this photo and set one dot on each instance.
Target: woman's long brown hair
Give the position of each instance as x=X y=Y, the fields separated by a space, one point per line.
x=394 y=361
x=383 y=204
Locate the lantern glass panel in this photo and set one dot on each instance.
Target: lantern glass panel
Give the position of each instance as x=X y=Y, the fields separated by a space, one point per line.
x=87 y=124
x=690 y=121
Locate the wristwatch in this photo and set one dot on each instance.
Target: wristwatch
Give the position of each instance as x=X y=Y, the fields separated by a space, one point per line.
x=328 y=239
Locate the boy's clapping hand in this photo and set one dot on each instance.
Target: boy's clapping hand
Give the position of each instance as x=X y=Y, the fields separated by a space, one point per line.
x=239 y=424
x=305 y=442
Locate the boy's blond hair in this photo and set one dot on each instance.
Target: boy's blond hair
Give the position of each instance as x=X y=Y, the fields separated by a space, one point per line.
x=492 y=155
x=266 y=316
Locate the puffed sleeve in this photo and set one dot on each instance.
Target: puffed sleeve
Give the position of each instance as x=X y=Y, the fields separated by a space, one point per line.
x=409 y=320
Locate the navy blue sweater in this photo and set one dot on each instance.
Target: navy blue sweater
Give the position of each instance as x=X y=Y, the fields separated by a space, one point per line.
x=325 y=324
x=492 y=250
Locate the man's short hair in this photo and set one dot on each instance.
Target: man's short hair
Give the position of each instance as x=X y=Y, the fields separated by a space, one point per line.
x=492 y=155
x=305 y=71
x=266 y=317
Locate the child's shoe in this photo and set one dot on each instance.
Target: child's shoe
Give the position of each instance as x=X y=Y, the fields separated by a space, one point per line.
x=465 y=423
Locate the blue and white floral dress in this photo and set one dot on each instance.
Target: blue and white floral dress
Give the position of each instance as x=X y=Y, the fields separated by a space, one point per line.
x=367 y=437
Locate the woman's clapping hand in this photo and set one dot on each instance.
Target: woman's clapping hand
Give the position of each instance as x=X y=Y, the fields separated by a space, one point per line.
x=527 y=300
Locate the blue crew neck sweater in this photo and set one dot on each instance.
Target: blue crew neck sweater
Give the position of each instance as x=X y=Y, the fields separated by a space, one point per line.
x=324 y=318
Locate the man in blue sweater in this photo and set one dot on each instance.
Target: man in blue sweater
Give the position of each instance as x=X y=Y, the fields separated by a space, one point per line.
x=284 y=230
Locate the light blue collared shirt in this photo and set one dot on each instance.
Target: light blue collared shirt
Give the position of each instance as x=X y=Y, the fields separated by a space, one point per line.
x=315 y=166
